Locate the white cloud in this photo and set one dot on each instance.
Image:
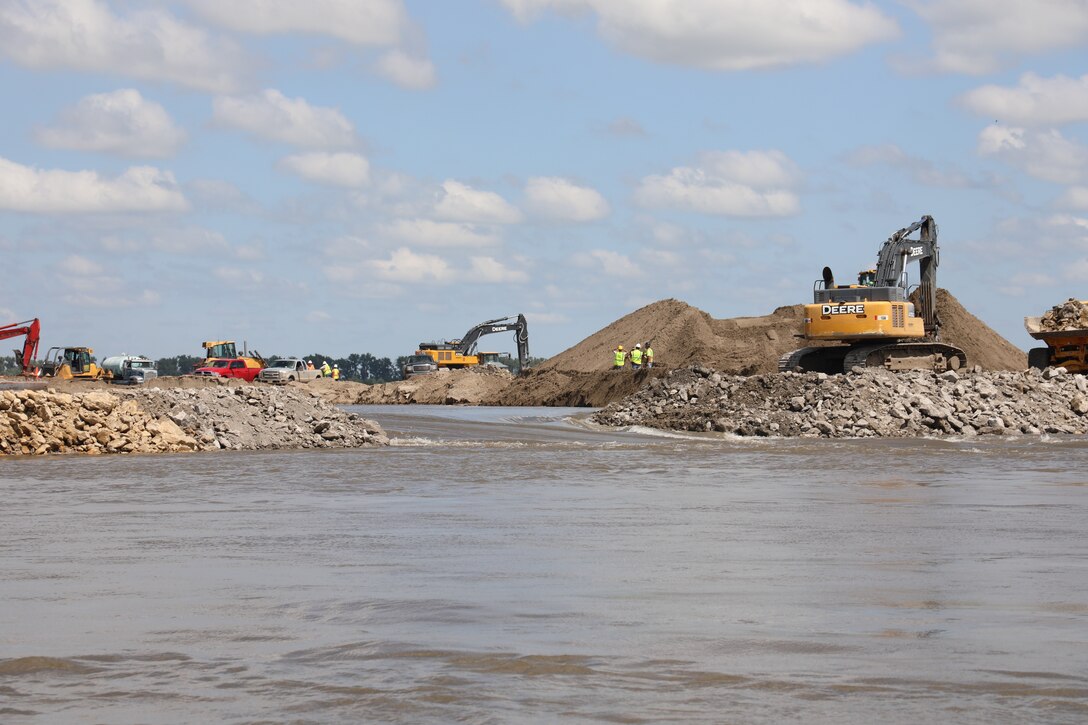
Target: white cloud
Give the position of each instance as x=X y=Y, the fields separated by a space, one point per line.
x=220 y=195
x=140 y=188
x=193 y=240
x=274 y=117
x=429 y=233
x=337 y=169
x=546 y=318
x=1074 y=198
x=239 y=276
x=404 y=265
x=80 y=266
x=921 y=170
x=1035 y=101
x=1045 y=155
x=728 y=34
x=460 y=202
x=980 y=36
x=407 y=70
x=612 y=264
x=370 y=23
x=730 y=183
x=490 y=270
x=149 y=43
x=121 y=122
x=87 y=283
x=560 y=200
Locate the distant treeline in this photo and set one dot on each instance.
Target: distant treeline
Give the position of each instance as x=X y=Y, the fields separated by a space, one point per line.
x=362 y=367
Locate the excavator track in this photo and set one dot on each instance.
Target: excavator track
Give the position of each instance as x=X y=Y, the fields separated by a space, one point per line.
x=814 y=359
x=934 y=356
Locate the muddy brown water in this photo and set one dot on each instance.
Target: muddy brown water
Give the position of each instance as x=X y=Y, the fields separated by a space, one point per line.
x=506 y=565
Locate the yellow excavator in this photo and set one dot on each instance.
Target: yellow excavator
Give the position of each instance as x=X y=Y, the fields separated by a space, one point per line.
x=876 y=320
x=462 y=353
x=71 y=363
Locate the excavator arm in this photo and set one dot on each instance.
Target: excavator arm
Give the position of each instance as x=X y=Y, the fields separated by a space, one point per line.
x=898 y=251
x=32 y=330
x=467 y=345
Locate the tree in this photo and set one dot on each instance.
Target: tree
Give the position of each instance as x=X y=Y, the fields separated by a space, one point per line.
x=178 y=365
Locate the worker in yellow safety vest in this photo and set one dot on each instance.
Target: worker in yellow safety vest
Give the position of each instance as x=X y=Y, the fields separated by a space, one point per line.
x=335 y=372
x=648 y=356
x=326 y=371
x=619 y=357
x=636 y=357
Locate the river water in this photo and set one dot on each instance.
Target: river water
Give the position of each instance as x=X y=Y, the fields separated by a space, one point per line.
x=509 y=565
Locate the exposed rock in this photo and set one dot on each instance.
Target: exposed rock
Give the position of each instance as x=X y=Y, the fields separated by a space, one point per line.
x=149 y=420
x=1070 y=315
x=858 y=404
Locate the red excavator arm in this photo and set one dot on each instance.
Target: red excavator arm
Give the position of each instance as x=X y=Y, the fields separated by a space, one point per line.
x=30 y=328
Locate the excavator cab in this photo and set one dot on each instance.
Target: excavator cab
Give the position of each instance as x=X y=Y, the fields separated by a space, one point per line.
x=71 y=363
x=867 y=278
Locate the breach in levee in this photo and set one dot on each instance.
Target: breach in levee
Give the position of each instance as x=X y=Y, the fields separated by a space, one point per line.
x=875 y=318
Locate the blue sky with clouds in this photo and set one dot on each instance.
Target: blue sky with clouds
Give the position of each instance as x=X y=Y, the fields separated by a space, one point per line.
x=360 y=175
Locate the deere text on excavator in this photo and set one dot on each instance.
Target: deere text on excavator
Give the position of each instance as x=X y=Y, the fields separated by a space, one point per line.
x=462 y=353
x=875 y=318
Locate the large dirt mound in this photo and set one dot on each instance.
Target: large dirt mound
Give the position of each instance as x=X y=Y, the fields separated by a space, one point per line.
x=682 y=334
x=983 y=346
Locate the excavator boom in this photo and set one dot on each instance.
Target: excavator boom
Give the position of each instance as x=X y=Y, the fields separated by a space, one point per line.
x=32 y=330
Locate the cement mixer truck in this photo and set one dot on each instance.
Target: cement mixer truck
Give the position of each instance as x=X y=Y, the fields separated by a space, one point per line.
x=129 y=369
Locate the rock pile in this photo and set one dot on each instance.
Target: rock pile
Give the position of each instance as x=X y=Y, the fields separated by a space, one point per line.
x=1070 y=315
x=169 y=420
x=863 y=403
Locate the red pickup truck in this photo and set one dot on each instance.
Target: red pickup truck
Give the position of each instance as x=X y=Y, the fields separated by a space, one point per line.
x=228 y=368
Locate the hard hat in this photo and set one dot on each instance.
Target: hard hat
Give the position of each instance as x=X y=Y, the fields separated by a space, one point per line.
x=336 y=366
x=638 y=344
x=620 y=347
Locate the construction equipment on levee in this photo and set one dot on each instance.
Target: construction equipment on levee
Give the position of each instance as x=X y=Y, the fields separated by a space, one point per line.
x=71 y=363
x=462 y=353
x=32 y=330
x=875 y=318
x=227 y=350
x=1066 y=347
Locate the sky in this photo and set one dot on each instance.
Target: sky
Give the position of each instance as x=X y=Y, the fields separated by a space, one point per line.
x=344 y=176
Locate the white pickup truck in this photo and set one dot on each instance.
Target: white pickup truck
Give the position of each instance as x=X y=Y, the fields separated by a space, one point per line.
x=286 y=371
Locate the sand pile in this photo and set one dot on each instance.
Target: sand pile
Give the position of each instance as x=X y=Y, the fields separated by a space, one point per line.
x=860 y=404
x=156 y=420
x=1070 y=315
x=682 y=335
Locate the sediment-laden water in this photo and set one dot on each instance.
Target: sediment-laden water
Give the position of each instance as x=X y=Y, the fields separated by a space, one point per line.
x=505 y=565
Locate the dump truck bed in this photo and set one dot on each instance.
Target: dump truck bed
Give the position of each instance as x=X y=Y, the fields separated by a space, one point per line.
x=1034 y=326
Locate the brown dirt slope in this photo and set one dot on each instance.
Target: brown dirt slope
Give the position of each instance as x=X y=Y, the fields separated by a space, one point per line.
x=683 y=334
x=981 y=343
